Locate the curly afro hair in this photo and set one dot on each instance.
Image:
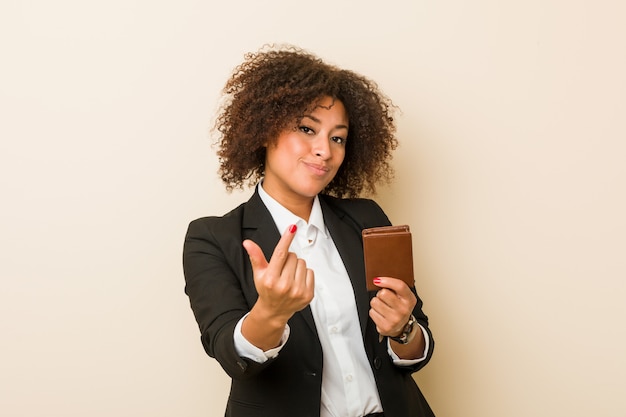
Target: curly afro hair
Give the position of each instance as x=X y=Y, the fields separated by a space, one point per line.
x=272 y=89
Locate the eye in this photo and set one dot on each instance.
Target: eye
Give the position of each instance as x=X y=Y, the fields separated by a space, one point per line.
x=306 y=129
x=338 y=139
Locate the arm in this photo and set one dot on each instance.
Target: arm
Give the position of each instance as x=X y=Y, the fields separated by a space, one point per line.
x=365 y=213
x=221 y=289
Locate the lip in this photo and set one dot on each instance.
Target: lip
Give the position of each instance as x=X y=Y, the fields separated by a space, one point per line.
x=318 y=169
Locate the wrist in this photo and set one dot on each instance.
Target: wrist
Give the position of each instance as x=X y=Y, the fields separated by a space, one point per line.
x=266 y=317
x=408 y=332
x=263 y=329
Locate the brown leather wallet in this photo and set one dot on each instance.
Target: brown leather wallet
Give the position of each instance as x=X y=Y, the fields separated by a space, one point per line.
x=388 y=252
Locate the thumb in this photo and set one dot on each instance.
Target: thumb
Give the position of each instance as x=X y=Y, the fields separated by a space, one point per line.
x=257 y=258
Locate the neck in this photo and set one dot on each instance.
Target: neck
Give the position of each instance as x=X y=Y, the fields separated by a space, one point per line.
x=301 y=208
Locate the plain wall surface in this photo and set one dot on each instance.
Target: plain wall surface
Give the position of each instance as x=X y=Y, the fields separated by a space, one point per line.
x=510 y=171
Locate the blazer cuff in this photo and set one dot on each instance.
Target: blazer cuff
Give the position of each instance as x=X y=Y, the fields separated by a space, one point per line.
x=245 y=349
x=408 y=362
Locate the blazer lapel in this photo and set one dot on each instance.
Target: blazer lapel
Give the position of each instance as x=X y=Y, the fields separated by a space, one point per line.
x=350 y=247
x=259 y=226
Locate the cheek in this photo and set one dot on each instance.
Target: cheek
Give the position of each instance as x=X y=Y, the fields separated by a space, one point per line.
x=341 y=155
x=292 y=147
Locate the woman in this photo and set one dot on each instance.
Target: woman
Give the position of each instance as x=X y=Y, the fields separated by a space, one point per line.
x=277 y=285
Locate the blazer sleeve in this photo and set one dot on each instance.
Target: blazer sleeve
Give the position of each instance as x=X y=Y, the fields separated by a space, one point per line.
x=365 y=213
x=221 y=289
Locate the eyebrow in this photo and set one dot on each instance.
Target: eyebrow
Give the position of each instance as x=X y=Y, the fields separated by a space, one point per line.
x=316 y=120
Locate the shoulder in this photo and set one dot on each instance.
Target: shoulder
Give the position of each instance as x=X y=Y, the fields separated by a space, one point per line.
x=230 y=220
x=217 y=225
x=363 y=211
x=215 y=233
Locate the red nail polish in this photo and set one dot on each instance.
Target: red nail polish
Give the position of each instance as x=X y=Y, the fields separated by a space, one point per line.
x=293 y=228
x=376 y=280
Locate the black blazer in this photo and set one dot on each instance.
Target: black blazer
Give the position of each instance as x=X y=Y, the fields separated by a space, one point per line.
x=221 y=290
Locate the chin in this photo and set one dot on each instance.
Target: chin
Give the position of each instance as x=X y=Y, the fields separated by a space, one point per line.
x=309 y=188
x=311 y=192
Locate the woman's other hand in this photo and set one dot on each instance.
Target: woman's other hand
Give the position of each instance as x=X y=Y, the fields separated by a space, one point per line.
x=390 y=310
x=392 y=306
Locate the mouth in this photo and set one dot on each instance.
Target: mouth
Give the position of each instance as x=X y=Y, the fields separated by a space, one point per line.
x=317 y=168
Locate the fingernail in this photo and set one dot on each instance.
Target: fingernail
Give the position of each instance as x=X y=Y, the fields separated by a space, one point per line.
x=376 y=280
x=293 y=228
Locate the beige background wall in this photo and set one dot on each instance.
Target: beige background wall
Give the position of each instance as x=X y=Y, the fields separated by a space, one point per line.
x=511 y=172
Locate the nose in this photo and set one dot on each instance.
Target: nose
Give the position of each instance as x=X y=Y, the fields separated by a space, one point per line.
x=321 y=147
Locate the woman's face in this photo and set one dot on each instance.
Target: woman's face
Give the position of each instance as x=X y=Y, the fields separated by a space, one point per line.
x=304 y=160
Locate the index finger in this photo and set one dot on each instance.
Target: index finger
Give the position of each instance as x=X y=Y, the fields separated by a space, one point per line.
x=279 y=256
x=394 y=284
